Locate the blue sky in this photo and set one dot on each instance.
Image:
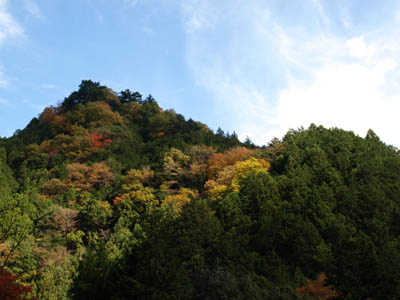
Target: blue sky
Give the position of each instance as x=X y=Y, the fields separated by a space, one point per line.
x=256 y=67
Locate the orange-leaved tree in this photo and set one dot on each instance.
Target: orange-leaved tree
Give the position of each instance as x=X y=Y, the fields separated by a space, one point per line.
x=317 y=289
x=84 y=178
x=229 y=157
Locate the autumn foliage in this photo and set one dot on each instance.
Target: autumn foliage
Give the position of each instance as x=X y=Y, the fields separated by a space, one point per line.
x=54 y=120
x=181 y=198
x=229 y=157
x=84 y=178
x=229 y=178
x=99 y=140
x=107 y=196
x=10 y=289
x=317 y=289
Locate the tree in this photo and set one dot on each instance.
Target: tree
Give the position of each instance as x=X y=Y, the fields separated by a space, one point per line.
x=317 y=289
x=229 y=157
x=229 y=178
x=181 y=198
x=127 y=96
x=53 y=118
x=66 y=219
x=94 y=214
x=10 y=289
x=84 y=178
x=94 y=115
x=88 y=91
x=150 y=99
x=55 y=276
x=15 y=224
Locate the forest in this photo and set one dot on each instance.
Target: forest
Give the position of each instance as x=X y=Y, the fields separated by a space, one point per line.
x=108 y=196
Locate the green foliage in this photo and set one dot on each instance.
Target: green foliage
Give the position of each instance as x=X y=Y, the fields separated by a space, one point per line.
x=56 y=276
x=90 y=91
x=96 y=277
x=346 y=188
x=107 y=196
x=93 y=214
x=15 y=225
x=7 y=181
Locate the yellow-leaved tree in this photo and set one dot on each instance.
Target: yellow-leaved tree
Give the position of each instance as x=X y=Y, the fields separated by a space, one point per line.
x=181 y=198
x=228 y=178
x=229 y=157
x=135 y=195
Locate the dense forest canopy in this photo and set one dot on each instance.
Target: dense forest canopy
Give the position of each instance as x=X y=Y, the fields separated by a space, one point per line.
x=108 y=196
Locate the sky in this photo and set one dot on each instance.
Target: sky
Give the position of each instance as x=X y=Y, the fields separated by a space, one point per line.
x=256 y=67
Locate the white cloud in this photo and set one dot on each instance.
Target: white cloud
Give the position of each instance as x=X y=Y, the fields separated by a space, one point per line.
x=359 y=49
x=349 y=96
x=9 y=27
x=269 y=77
x=33 y=8
x=352 y=88
x=349 y=89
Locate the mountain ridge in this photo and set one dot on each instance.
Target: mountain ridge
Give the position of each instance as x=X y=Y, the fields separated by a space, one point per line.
x=107 y=196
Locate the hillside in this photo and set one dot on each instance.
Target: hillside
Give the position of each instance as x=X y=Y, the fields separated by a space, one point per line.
x=108 y=196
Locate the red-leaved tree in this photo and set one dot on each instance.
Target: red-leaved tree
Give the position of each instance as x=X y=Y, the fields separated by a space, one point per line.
x=10 y=289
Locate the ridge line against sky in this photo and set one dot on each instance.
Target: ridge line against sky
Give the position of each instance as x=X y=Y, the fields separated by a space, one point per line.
x=254 y=67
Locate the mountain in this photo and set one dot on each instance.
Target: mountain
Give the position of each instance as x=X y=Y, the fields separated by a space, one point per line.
x=108 y=196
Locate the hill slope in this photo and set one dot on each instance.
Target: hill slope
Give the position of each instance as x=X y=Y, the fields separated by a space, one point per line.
x=107 y=196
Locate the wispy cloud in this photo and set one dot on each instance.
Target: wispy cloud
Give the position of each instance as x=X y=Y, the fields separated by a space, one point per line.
x=134 y=2
x=148 y=30
x=10 y=30
x=36 y=107
x=33 y=8
x=100 y=18
x=3 y=80
x=48 y=86
x=9 y=27
x=271 y=71
x=199 y=14
x=231 y=48
x=317 y=4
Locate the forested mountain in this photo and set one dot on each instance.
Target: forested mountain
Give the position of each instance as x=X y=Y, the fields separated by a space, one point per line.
x=108 y=196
